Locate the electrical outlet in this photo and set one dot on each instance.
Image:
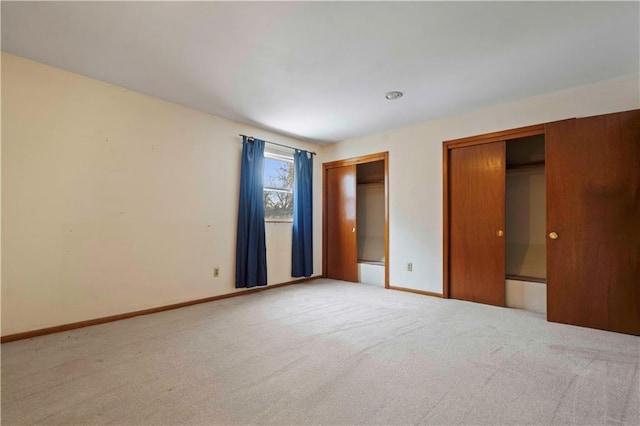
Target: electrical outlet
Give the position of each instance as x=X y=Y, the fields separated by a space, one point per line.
x=409 y=266
x=216 y=271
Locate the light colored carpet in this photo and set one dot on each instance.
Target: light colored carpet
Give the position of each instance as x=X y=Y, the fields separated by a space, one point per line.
x=325 y=352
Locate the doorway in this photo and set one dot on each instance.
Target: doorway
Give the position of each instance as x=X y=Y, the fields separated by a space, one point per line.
x=356 y=219
x=486 y=245
x=525 y=231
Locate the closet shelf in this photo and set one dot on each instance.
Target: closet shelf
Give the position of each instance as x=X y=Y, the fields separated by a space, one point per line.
x=526 y=278
x=529 y=165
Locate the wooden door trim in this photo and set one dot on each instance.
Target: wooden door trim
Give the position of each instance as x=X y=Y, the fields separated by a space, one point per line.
x=521 y=132
x=447 y=146
x=370 y=158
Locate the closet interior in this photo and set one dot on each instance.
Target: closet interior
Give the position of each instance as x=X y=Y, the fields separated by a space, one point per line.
x=525 y=228
x=370 y=219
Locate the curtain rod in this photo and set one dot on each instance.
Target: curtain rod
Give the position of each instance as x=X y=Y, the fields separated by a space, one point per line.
x=279 y=144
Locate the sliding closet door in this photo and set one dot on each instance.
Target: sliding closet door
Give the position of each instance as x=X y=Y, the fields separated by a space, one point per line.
x=593 y=222
x=477 y=221
x=341 y=246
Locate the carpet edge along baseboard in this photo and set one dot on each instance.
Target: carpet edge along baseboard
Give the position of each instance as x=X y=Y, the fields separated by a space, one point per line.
x=411 y=290
x=87 y=323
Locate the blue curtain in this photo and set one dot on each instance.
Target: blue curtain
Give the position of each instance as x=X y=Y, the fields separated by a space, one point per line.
x=302 y=247
x=251 y=250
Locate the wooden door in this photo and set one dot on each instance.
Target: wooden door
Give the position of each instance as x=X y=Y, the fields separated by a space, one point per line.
x=341 y=246
x=593 y=205
x=477 y=217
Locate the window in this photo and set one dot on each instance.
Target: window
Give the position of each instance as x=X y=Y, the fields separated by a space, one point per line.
x=278 y=188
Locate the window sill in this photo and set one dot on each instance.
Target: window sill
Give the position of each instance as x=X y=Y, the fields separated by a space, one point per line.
x=278 y=221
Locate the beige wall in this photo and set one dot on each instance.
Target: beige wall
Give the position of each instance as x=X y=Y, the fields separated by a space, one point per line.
x=415 y=166
x=370 y=208
x=526 y=204
x=525 y=232
x=114 y=201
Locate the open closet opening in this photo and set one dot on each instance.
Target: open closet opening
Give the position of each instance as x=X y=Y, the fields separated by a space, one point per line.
x=370 y=217
x=355 y=219
x=543 y=218
x=525 y=233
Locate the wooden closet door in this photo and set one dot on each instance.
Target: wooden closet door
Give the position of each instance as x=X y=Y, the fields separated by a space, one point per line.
x=593 y=205
x=477 y=216
x=342 y=245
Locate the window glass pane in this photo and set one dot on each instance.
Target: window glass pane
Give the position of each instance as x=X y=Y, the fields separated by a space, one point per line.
x=278 y=174
x=278 y=205
x=278 y=189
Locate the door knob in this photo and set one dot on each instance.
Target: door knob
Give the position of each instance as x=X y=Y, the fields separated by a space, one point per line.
x=353 y=229
x=553 y=235
x=499 y=233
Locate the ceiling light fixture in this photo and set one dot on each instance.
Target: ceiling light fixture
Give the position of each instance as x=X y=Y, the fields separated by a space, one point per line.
x=393 y=95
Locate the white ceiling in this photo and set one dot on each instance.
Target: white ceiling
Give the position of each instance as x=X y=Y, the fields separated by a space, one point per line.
x=319 y=70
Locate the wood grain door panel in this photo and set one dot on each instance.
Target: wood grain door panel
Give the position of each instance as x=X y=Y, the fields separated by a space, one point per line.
x=477 y=213
x=341 y=247
x=593 y=204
